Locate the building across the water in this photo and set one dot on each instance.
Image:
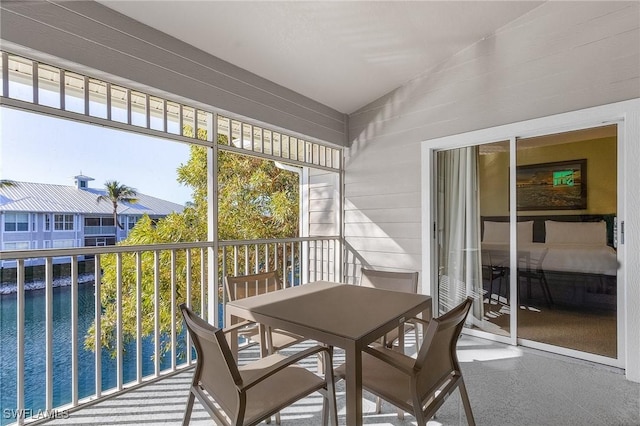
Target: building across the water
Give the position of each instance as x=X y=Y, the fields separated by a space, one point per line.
x=44 y=216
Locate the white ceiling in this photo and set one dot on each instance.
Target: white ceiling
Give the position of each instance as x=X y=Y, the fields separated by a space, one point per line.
x=342 y=54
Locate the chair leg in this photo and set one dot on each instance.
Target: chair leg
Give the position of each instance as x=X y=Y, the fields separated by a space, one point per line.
x=545 y=289
x=465 y=403
x=187 y=412
x=421 y=420
x=325 y=409
x=379 y=408
x=330 y=397
x=499 y=290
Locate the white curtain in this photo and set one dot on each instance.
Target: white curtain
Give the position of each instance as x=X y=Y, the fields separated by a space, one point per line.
x=460 y=268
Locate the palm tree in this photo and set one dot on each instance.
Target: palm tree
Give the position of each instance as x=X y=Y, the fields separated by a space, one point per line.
x=118 y=193
x=6 y=183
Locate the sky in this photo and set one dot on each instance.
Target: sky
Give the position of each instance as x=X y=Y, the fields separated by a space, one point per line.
x=43 y=149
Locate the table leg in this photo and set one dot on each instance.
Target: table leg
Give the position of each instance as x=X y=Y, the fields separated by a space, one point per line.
x=353 y=357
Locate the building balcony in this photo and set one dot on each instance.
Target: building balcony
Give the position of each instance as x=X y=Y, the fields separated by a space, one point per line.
x=105 y=327
x=142 y=370
x=99 y=230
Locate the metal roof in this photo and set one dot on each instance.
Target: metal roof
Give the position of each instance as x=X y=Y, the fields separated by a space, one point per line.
x=49 y=198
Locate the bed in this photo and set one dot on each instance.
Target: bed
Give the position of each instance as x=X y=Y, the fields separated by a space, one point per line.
x=568 y=250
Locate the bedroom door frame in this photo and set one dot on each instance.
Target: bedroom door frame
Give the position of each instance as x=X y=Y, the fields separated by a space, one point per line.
x=626 y=115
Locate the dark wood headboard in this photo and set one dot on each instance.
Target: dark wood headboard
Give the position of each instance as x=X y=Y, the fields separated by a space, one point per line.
x=538 y=223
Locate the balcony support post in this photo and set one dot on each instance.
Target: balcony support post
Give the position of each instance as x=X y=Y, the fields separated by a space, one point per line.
x=20 y=338
x=212 y=220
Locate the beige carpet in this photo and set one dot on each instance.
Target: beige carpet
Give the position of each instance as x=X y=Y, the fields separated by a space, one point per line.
x=587 y=331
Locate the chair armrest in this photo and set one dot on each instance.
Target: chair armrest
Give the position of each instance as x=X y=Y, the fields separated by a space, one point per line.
x=417 y=320
x=391 y=357
x=283 y=363
x=236 y=326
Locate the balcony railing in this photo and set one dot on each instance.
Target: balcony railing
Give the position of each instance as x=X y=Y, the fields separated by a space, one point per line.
x=104 y=325
x=100 y=230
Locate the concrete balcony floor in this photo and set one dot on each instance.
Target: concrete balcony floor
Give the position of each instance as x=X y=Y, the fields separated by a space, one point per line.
x=507 y=386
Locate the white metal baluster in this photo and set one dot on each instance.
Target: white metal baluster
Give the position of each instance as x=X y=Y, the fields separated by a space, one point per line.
x=275 y=257
x=225 y=295
x=267 y=265
x=335 y=260
x=246 y=259
x=19 y=336
x=74 y=330
x=257 y=259
x=285 y=274
x=246 y=266
x=293 y=264
x=49 y=332
x=187 y=277
x=119 y=350
x=188 y=297
x=156 y=311
x=173 y=310
x=316 y=261
x=235 y=261
x=98 y=325
x=306 y=247
x=321 y=266
x=139 y=317
x=203 y=287
x=330 y=274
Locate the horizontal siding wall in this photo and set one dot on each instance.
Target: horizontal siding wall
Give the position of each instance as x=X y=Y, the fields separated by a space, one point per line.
x=561 y=56
x=324 y=203
x=323 y=210
x=94 y=36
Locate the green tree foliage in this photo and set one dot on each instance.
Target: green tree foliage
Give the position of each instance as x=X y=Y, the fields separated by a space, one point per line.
x=117 y=193
x=256 y=200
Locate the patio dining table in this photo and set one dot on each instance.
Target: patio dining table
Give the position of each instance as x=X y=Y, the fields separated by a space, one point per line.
x=341 y=315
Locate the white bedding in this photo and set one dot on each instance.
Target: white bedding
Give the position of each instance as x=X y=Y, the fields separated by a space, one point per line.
x=582 y=258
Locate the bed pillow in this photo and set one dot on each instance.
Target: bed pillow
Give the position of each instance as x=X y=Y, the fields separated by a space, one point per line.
x=587 y=233
x=498 y=232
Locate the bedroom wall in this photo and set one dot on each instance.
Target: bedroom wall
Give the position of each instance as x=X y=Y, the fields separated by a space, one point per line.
x=601 y=176
x=562 y=56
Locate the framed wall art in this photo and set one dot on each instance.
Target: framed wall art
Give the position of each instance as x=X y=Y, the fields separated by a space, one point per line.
x=560 y=185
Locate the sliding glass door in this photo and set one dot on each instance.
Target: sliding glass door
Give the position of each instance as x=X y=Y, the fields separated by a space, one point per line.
x=567 y=262
x=527 y=226
x=463 y=269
